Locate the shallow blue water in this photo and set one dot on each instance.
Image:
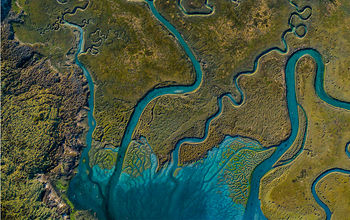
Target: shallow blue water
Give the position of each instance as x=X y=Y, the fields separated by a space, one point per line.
x=314 y=193
x=82 y=191
x=264 y=167
x=325 y=173
x=197 y=191
x=141 y=105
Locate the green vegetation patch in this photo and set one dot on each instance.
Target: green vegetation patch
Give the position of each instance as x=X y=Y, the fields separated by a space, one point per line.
x=42 y=26
x=225 y=43
x=40 y=136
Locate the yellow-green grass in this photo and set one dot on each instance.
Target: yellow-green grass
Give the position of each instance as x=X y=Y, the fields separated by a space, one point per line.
x=42 y=27
x=328 y=28
x=226 y=43
x=128 y=53
x=334 y=191
x=289 y=196
x=163 y=124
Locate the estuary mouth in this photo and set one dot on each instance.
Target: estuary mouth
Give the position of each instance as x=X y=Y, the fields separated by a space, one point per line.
x=175 y=109
x=213 y=187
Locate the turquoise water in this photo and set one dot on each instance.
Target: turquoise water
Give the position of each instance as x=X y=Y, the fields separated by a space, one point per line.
x=82 y=189
x=252 y=209
x=314 y=193
x=325 y=173
x=200 y=190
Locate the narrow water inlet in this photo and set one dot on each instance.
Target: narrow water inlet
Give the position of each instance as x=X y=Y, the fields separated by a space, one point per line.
x=114 y=193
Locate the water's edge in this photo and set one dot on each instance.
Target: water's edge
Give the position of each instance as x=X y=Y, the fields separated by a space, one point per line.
x=253 y=209
x=321 y=176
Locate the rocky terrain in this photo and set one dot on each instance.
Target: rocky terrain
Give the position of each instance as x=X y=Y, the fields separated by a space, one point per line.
x=42 y=115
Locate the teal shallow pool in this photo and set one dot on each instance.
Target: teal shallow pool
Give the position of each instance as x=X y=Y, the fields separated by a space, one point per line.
x=225 y=185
